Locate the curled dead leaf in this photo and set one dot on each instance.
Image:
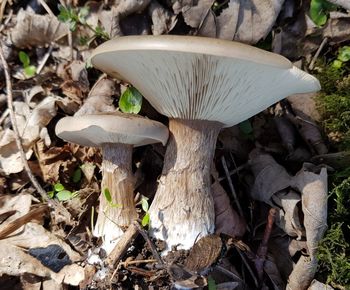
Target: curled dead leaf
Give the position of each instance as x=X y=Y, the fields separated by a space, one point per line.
x=36 y=30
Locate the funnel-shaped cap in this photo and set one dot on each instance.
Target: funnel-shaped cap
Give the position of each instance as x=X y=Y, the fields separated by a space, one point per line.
x=202 y=78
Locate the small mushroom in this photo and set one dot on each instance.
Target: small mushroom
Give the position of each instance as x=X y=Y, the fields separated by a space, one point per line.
x=116 y=134
x=202 y=85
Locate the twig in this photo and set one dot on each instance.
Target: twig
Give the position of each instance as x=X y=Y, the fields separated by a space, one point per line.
x=32 y=178
x=150 y=244
x=262 y=250
x=70 y=38
x=17 y=223
x=46 y=7
x=122 y=245
x=44 y=59
x=312 y=63
x=136 y=262
x=142 y=271
x=224 y=165
x=234 y=171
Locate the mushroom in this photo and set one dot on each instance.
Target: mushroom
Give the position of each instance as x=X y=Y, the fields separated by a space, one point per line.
x=116 y=133
x=202 y=85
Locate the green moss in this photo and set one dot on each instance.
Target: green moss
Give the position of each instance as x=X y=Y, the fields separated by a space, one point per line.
x=334 y=105
x=333 y=256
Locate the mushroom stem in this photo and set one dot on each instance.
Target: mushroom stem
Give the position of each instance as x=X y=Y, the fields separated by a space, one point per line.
x=118 y=179
x=183 y=209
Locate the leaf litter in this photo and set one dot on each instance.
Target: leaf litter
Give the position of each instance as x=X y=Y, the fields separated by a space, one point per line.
x=275 y=175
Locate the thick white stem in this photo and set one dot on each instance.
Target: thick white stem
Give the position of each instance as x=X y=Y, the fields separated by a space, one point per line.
x=183 y=209
x=117 y=178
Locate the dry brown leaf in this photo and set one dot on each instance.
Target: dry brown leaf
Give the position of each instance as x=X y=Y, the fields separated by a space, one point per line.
x=99 y=99
x=309 y=130
x=302 y=274
x=316 y=285
x=227 y=220
x=270 y=177
x=10 y=158
x=313 y=188
x=272 y=271
x=162 y=19
x=15 y=261
x=288 y=216
x=248 y=21
x=306 y=104
x=36 y=30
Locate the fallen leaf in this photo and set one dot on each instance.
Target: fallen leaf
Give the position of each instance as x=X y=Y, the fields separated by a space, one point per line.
x=99 y=99
x=302 y=274
x=227 y=220
x=162 y=19
x=316 y=285
x=288 y=216
x=270 y=177
x=36 y=30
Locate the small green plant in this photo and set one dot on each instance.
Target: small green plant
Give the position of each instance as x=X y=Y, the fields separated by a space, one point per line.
x=108 y=197
x=78 y=16
x=145 y=207
x=130 y=101
x=319 y=11
x=342 y=57
x=211 y=283
x=77 y=175
x=29 y=70
x=61 y=193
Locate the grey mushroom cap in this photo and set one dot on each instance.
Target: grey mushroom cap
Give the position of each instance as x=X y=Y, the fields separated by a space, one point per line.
x=97 y=129
x=202 y=78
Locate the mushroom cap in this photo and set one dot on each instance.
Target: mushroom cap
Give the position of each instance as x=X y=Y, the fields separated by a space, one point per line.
x=97 y=129
x=201 y=78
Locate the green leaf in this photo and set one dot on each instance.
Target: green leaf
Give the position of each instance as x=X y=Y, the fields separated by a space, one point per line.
x=245 y=127
x=337 y=64
x=58 y=187
x=82 y=14
x=24 y=58
x=211 y=283
x=130 y=101
x=144 y=204
x=319 y=11
x=344 y=54
x=65 y=13
x=76 y=175
x=51 y=194
x=30 y=71
x=72 y=25
x=107 y=195
x=145 y=220
x=64 y=195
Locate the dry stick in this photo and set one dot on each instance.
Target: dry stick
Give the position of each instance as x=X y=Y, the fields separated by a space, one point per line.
x=136 y=262
x=44 y=59
x=47 y=8
x=17 y=223
x=224 y=165
x=262 y=250
x=122 y=245
x=312 y=63
x=234 y=171
x=32 y=178
x=150 y=244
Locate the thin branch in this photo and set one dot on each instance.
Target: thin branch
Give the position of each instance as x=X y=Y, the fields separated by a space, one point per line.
x=47 y=8
x=323 y=43
x=224 y=165
x=41 y=191
x=150 y=244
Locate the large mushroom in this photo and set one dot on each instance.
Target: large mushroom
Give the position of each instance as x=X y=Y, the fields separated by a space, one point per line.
x=202 y=85
x=116 y=134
